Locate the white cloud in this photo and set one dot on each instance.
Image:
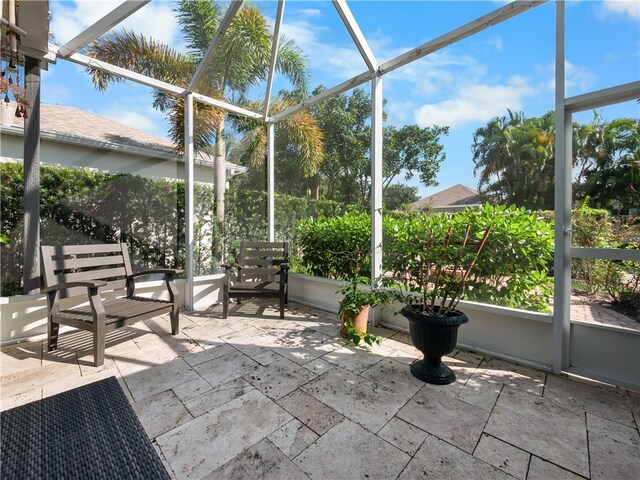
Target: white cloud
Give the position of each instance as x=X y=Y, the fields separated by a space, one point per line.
x=475 y=103
x=311 y=12
x=496 y=42
x=156 y=19
x=626 y=8
x=577 y=79
x=338 y=61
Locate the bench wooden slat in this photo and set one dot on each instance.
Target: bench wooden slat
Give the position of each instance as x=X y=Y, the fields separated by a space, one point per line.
x=279 y=245
x=251 y=272
x=83 y=249
x=261 y=261
x=263 y=253
x=87 y=262
x=100 y=274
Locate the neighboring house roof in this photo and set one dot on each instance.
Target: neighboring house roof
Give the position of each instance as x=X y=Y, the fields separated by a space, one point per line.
x=74 y=125
x=456 y=197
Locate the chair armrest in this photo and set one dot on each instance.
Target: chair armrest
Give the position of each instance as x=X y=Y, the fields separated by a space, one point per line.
x=62 y=286
x=227 y=266
x=165 y=271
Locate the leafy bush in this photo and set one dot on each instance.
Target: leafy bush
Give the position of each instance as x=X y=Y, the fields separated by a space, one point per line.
x=80 y=206
x=592 y=228
x=336 y=247
x=513 y=270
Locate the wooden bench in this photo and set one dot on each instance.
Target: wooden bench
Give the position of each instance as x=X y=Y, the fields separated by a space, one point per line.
x=262 y=271
x=88 y=270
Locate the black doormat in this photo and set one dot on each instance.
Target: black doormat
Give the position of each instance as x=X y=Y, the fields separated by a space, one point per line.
x=90 y=432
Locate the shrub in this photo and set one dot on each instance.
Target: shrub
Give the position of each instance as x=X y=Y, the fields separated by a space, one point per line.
x=513 y=270
x=336 y=247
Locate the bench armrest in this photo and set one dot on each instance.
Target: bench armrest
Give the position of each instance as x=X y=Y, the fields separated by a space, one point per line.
x=169 y=274
x=62 y=286
x=227 y=266
x=165 y=271
x=284 y=265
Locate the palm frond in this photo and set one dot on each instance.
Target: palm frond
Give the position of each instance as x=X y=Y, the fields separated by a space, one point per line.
x=199 y=20
x=137 y=53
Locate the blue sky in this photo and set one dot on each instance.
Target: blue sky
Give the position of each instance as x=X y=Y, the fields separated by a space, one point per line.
x=508 y=66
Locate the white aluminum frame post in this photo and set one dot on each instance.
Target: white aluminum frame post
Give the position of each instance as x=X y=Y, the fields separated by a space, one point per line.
x=188 y=197
x=376 y=182
x=271 y=182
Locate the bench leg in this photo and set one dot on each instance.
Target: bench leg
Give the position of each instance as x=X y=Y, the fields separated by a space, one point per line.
x=281 y=306
x=175 y=321
x=98 y=345
x=52 y=337
x=225 y=305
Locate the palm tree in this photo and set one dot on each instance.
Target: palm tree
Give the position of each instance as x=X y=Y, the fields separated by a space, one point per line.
x=241 y=62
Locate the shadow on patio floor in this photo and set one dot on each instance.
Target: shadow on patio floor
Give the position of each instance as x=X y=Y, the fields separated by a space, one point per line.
x=254 y=396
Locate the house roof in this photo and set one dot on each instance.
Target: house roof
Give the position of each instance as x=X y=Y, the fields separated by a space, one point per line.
x=456 y=196
x=74 y=125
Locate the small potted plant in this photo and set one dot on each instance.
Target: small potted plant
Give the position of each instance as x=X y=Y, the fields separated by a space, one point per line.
x=354 y=311
x=432 y=265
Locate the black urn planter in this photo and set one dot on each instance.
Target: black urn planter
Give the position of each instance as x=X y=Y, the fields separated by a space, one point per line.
x=434 y=337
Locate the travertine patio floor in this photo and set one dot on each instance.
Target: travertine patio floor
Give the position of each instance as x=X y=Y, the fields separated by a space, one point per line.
x=254 y=397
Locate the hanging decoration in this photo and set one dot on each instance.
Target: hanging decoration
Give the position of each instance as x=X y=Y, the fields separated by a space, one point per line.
x=11 y=67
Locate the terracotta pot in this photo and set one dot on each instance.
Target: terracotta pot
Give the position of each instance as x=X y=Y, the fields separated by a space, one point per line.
x=434 y=337
x=359 y=321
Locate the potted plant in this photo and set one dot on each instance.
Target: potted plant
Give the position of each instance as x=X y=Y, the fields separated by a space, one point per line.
x=354 y=311
x=432 y=264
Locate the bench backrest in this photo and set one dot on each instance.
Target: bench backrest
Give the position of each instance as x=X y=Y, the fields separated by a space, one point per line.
x=261 y=260
x=75 y=263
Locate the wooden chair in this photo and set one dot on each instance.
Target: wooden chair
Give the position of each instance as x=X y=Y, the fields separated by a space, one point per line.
x=88 y=270
x=262 y=272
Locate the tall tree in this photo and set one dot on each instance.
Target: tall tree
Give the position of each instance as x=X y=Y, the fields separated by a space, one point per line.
x=514 y=162
x=345 y=174
x=240 y=63
x=607 y=162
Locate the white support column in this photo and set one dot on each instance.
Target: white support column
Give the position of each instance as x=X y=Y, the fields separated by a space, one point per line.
x=562 y=255
x=188 y=196
x=376 y=183
x=271 y=181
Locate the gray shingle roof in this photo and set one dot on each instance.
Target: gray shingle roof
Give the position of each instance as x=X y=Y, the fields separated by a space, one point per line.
x=72 y=121
x=457 y=195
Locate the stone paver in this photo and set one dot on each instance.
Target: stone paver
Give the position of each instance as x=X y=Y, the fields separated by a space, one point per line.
x=293 y=438
x=196 y=448
x=254 y=396
x=543 y=428
x=161 y=413
x=501 y=455
x=332 y=455
x=361 y=400
x=263 y=461
x=437 y=459
x=446 y=417
x=604 y=401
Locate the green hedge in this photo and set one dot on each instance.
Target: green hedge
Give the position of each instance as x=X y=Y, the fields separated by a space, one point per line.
x=81 y=206
x=514 y=271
